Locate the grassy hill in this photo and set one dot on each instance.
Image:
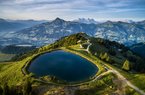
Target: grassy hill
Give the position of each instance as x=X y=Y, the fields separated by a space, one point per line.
x=101 y=52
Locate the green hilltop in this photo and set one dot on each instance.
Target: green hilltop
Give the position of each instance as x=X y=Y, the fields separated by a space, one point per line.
x=107 y=55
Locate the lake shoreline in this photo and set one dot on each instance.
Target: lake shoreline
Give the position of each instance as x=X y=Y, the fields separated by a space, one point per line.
x=69 y=83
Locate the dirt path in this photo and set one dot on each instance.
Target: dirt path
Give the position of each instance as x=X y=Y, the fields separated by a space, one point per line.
x=122 y=78
x=128 y=82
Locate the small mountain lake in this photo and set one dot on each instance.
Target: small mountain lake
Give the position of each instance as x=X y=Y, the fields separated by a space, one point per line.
x=63 y=65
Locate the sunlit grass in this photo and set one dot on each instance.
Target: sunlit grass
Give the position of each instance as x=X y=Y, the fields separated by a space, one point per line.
x=11 y=72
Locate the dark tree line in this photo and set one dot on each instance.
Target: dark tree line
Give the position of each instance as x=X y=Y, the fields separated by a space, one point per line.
x=13 y=49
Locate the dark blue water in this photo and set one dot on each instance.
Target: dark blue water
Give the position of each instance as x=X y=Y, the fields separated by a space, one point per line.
x=63 y=65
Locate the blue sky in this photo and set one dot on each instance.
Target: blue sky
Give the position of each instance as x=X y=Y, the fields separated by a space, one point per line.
x=73 y=9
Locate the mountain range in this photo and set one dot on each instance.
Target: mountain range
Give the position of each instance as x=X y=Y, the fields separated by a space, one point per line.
x=127 y=33
x=16 y=25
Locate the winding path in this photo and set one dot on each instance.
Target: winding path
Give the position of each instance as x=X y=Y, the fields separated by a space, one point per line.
x=88 y=47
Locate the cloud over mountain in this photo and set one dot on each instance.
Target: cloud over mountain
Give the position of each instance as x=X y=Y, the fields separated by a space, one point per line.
x=70 y=9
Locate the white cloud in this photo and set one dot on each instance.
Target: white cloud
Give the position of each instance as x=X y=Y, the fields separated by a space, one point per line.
x=43 y=9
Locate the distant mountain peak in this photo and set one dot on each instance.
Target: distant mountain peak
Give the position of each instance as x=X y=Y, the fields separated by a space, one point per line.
x=58 y=18
x=86 y=21
x=58 y=21
x=108 y=21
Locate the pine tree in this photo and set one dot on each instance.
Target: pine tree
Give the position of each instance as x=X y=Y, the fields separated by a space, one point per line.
x=104 y=56
x=126 y=65
x=101 y=55
x=108 y=59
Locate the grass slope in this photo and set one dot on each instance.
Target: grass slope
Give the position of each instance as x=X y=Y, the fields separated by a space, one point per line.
x=11 y=72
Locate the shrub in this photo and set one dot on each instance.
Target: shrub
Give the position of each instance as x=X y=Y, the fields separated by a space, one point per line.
x=104 y=57
x=126 y=65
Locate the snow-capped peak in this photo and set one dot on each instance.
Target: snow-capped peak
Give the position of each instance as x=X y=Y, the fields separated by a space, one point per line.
x=87 y=21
